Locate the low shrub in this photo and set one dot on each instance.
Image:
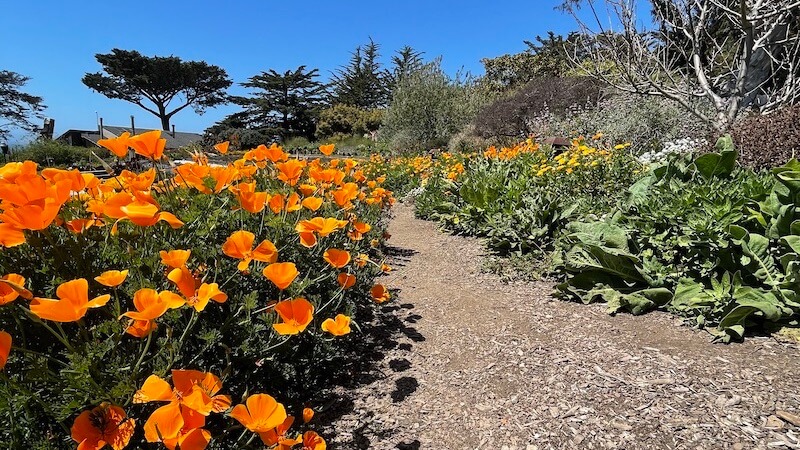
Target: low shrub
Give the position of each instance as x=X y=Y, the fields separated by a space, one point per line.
x=767 y=141
x=55 y=154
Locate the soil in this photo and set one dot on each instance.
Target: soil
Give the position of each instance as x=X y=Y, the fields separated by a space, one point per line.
x=461 y=360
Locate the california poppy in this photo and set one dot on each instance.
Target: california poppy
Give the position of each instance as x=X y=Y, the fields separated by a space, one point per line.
x=151 y=305
x=327 y=149
x=222 y=147
x=175 y=258
x=112 y=278
x=289 y=172
x=72 y=304
x=296 y=314
x=313 y=441
x=240 y=246
x=293 y=202
x=337 y=258
x=281 y=274
x=346 y=280
x=118 y=146
x=149 y=144
x=308 y=414
x=280 y=436
x=11 y=236
x=312 y=203
x=249 y=199
x=11 y=286
x=5 y=348
x=260 y=413
x=104 y=424
x=338 y=326
x=359 y=229
x=141 y=328
x=379 y=293
x=197 y=294
x=276 y=203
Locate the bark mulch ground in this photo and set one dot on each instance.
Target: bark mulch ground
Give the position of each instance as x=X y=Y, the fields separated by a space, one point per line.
x=460 y=360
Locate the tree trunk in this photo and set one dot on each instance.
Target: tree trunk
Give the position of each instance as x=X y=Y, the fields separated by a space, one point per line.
x=162 y=114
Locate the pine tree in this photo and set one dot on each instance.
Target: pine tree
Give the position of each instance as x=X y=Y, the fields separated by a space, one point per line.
x=361 y=83
x=286 y=103
x=405 y=61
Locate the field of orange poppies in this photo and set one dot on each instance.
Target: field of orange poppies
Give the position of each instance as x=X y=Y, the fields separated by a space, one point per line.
x=182 y=306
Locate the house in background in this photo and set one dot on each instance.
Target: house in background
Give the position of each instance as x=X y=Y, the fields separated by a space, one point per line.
x=89 y=138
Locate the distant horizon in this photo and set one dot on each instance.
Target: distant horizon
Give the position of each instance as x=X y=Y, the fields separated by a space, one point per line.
x=320 y=35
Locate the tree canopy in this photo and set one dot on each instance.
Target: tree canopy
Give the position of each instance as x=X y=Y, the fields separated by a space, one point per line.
x=17 y=108
x=128 y=75
x=362 y=82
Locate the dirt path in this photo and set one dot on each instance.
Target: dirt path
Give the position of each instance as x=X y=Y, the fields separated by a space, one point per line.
x=472 y=363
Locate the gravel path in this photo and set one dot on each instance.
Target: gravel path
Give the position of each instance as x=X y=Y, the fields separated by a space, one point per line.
x=463 y=361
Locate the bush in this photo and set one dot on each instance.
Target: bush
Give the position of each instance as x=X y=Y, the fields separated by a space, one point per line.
x=428 y=108
x=229 y=309
x=767 y=141
x=55 y=154
x=517 y=115
x=340 y=121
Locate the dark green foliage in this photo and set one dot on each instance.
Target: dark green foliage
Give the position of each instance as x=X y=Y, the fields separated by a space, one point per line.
x=128 y=75
x=55 y=154
x=284 y=104
x=343 y=120
x=17 y=108
x=362 y=82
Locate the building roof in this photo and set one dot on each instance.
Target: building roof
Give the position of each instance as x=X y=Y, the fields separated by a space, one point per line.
x=181 y=138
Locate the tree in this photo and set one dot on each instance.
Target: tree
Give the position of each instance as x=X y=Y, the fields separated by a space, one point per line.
x=429 y=107
x=405 y=61
x=135 y=78
x=362 y=83
x=546 y=57
x=734 y=54
x=287 y=103
x=17 y=108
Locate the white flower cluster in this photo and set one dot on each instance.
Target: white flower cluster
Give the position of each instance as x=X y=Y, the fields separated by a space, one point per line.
x=676 y=147
x=413 y=193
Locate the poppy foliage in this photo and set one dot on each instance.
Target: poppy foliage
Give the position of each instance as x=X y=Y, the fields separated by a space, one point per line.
x=146 y=302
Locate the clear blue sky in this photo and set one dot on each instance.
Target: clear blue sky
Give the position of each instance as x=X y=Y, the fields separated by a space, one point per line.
x=54 y=41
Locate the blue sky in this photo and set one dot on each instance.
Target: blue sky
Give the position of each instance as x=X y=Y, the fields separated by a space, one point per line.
x=54 y=41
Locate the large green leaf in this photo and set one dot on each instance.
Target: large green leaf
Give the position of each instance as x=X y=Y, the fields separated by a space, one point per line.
x=718 y=164
x=755 y=255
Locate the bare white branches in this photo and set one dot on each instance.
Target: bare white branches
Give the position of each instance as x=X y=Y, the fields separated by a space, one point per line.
x=736 y=54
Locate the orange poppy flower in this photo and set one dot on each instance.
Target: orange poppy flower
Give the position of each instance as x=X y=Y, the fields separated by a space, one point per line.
x=338 y=326
x=146 y=214
x=151 y=305
x=191 y=436
x=5 y=348
x=307 y=239
x=193 y=175
x=327 y=149
x=281 y=274
x=337 y=258
x=290 y=171
x=312 y=203
x=249 y=199
x=197 y=294
x=313 y=441
x=240 y=246
x=379 y=293
x=118 y=146
x=346 y=280
x=308 y=414
x=296 y=314
x=260 y=413
x=385 y=268
x=11 y=287
x=307 y=189
x=141 y=328
x=223 y=176
x=81 y=225
x=276 y=203
x=149 y=144
x=72 y=304
x=222 y=147
x=194 y=394
x=112 y=278
x=293 y=202
x=359 y=230
x=278 y=436
x=33 y=202
x=175 y=258
x=103 y=425
x=11 y=236
x=321 y=226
